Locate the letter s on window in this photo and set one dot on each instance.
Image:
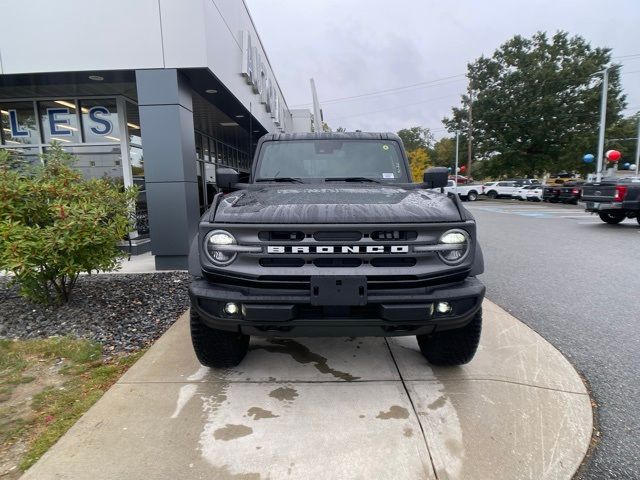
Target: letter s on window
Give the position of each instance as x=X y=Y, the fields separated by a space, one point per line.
x=105 y=126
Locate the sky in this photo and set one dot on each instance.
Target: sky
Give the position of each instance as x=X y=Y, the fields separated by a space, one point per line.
x=415 y=52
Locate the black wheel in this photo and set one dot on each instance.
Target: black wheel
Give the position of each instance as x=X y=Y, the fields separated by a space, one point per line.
x=217 y=348
x=492 y=194
x=553 y=200
x=452 y=347
x=611 y=218
x=472 y=196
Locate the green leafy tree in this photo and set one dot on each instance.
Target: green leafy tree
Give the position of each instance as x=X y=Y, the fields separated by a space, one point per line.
x=443 y=153
x=54 y=225
x=536 y=103
x=416 y=137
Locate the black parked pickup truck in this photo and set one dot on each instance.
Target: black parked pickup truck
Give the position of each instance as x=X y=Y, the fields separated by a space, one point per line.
x=613 y=199
x=331 y=238
x=568 y=192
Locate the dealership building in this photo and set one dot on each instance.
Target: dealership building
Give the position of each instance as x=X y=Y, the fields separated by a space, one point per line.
x=154 y=93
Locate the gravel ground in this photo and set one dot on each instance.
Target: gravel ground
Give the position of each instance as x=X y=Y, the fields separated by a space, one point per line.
x=124 y=313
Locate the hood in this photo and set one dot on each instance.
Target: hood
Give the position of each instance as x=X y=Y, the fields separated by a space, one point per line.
x=335 y=204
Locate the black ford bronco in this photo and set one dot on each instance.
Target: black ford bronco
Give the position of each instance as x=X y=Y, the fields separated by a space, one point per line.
x=330 y=237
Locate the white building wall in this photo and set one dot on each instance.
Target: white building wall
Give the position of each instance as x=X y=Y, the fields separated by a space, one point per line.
x=81 y=35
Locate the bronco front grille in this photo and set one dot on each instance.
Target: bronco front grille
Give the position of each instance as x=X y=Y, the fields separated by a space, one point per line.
x=286 y=256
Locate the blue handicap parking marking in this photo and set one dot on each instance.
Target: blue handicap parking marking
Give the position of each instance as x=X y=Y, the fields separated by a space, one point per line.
x=535 y=212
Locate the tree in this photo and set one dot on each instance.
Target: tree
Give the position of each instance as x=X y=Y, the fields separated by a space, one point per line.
x=416 y=137
x=536 y=104
x=418 y=162
x=443 y=153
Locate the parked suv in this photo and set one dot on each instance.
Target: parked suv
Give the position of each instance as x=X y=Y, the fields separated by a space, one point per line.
x=331 y=238
x=501 y=190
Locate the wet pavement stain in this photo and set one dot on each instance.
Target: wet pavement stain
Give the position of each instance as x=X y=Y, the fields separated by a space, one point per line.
x=439 y=403
x=301 y=354
x=408 y=432
x=284 y=394
x=224 y=472
x=395 y=411
x=258 y=413
x=231 y=432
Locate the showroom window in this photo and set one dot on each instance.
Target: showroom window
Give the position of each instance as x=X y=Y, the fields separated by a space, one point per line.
x=19 y=124
x=59 y=121
x=100 y=121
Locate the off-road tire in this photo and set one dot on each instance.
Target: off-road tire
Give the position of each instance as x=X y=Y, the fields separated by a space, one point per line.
x=472 y=196
x=217 y=348
x=611 y=218
x=492 y=194
x=452 y=347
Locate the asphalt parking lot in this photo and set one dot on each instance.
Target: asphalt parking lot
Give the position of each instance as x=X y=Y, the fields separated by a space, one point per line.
x=574 y=280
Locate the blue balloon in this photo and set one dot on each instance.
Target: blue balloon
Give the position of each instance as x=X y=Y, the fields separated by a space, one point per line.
x=449 y=169
x=588 y=158
x=627 y=165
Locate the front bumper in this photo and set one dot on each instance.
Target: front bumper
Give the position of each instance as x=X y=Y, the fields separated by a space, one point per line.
x=268 y=312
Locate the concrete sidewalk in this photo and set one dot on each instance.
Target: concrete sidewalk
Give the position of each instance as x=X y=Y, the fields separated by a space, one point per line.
x=336 y=409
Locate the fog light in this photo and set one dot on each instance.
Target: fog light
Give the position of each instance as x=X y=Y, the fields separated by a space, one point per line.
x=231 y=308
x=443 y=307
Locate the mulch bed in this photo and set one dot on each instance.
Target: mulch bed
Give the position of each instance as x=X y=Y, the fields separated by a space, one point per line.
x=124 y=313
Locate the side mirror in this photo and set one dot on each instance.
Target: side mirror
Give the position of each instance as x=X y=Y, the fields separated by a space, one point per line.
x=226 y=178
x=436 y=177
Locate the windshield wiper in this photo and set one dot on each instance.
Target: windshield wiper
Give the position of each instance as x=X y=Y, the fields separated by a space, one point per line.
x=351 y=179
x=280 y=179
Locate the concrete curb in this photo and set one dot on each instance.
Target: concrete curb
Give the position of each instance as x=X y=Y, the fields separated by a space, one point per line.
x=336 y=408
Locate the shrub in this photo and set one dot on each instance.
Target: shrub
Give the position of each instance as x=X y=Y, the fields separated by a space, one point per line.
x=54 y=225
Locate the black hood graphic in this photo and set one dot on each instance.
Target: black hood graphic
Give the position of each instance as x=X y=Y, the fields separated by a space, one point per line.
x=321 y=203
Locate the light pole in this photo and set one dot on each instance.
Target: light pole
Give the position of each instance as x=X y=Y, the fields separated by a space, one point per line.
x=603 y=118
x=457 y=155
x=638 y=148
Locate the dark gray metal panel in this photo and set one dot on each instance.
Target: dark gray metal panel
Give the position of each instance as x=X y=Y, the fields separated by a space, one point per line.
x=173 y=216
x=168 y=142
x=166 y=118
x=175 y=262
x=163 y=87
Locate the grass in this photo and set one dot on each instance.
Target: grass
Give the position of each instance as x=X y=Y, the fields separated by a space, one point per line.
x=79 y=376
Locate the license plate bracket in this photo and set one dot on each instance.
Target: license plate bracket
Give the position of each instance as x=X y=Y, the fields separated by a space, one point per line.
x=339 y=290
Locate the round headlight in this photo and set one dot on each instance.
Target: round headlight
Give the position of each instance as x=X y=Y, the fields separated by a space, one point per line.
x=458 y=240
x=219 y=238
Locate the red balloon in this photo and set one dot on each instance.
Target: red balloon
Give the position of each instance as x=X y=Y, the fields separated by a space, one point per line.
x=463 y=168
x=613 y=155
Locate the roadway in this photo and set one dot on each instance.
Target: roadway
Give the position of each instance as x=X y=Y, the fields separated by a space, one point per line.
x=576 y=281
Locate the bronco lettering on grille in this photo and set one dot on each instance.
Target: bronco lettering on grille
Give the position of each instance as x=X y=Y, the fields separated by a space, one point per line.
x=348 y=249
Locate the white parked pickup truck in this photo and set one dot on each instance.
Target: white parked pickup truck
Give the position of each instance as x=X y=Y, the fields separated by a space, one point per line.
x=465 y=192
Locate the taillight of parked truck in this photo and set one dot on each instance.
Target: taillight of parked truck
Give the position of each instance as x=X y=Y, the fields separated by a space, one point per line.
x=621 y=191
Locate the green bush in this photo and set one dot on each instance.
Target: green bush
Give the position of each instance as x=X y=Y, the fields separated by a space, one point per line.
x=54 y=225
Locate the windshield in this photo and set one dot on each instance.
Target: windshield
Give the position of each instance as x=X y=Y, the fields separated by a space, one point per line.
x=326 y=160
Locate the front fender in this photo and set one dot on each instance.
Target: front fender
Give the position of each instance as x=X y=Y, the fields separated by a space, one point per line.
x=478 y=262
x=194 y=258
